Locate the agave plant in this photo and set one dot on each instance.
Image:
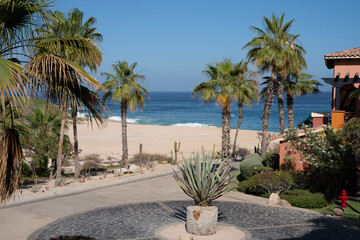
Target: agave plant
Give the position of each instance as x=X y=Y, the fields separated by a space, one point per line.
x=203 y=180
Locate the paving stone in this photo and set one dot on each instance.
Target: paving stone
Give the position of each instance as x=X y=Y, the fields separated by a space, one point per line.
x=141 y=221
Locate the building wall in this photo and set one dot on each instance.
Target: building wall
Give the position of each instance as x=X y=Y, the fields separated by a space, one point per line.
x=344 y=66
x=285 y=149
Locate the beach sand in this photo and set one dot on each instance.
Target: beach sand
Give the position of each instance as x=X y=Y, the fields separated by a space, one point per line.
x=106 y=141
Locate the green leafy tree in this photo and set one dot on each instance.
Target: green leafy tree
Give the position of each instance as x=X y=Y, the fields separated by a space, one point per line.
x=327 y=157
x=271 y=50
x=220 y=88
x=57 y=67
x=123 y=86
x=40 y=138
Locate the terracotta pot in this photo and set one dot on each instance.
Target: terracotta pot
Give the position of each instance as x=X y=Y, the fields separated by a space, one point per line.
x=201 y=220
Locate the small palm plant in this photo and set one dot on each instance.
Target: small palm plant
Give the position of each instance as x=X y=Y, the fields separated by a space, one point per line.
x=203 y=180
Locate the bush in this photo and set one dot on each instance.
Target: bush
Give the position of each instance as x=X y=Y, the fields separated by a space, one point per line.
x=271 y=159
x=249 y=165
x=240 y=152
x=305 y=199
x=243 y=186
x=161 y=158
x=25 y=170
x=288 y=164
x=301 y=179
x=269 y=182
x=329 y=158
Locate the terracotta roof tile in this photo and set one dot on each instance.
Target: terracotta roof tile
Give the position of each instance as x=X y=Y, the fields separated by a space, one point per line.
x=355 y=52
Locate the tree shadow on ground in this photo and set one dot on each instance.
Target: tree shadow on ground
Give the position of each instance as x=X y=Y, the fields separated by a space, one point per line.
x=330 y=228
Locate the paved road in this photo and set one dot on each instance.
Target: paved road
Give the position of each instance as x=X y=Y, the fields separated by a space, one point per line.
x=137 y=210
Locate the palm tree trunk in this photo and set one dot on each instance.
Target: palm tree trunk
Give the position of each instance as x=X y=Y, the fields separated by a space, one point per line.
x=61 y=142
x=124 y=133
x=267 y=111
x=290 y=107
x=76 y=142
x=280 y=100
x=241 y=114
x=225 y=144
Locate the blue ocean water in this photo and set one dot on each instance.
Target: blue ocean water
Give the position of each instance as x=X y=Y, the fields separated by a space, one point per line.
x=181 y=109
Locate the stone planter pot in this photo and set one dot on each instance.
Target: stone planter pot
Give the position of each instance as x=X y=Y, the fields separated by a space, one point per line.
x=201 y=220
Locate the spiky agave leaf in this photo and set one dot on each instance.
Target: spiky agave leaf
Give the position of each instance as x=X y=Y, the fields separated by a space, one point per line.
x=10 y=163
x=203 y=180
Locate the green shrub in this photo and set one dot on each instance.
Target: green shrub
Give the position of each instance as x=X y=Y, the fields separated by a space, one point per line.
x=243 y=186
x=262 y=169
x=305 y=199
x=249 y=165
x=25 y=170
x=288 y=164
x=301 y=179
x=269 y=182
x=329 y=158
x=271 y=159
x=252 y=158
x=152 y=157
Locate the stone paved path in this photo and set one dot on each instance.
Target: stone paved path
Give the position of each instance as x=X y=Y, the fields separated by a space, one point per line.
x=137 y=210
x=141 y=221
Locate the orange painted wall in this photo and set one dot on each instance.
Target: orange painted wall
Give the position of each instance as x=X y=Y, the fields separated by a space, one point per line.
x=344 y=66
x=284 y=148
x=337 y=119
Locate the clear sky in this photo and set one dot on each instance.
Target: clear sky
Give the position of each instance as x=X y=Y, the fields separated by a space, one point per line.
x=173 y=40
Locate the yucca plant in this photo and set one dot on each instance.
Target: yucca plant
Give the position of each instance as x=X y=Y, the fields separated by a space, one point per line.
x=203 y=180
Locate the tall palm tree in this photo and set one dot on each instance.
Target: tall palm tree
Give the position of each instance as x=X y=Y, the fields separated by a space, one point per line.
x=71 y=25
x=245 y=91
x=219 y=87
x=271 y=50
x=124 y=87
x=298 y=85
x=17 y=19
x=57 y=65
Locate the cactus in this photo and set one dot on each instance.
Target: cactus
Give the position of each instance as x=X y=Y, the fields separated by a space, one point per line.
x=176 y=150
x=213 y=153
x=148 y=163
x=172 y=155
x=140 y=155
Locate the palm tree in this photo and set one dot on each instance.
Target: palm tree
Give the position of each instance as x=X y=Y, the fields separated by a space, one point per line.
x=123 y=87
x=301 y=85
x=271 y=50
x=71 y=26
x=219 y=87
x=17 y=19
x=57 y=65
x=246 y=91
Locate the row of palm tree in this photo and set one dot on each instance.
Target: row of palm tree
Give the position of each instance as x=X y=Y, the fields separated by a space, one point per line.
x=276 y=50
x=273 y=50
x=228 y=82
x=55 y=53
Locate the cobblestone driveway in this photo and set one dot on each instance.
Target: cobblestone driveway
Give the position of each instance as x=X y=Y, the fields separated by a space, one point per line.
x=141 y=221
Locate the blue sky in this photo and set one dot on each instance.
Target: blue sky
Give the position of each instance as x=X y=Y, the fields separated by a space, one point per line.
x=172 y=41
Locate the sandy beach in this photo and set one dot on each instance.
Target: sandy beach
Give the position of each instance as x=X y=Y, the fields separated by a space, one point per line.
x=106 y=141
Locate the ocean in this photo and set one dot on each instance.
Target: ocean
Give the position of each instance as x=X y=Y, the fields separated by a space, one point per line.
x=181 y=109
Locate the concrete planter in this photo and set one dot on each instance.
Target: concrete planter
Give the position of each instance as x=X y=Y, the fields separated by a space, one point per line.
x=201 y=220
